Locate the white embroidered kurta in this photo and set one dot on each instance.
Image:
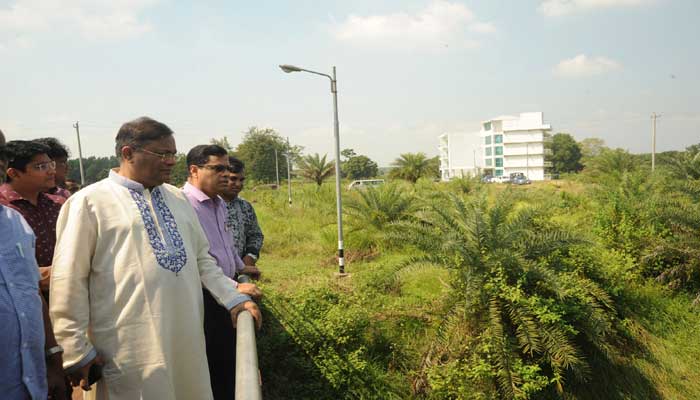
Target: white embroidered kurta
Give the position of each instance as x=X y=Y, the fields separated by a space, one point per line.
x=110 y=293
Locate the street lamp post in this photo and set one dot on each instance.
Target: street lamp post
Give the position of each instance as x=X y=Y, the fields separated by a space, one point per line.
x=339 y=204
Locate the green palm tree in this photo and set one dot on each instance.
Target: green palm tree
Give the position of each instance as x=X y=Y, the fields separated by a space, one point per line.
x=371 y=210
x=516 y=304
x=315 y=168
x=380 y=206
x=686 y=165
x=411 y=167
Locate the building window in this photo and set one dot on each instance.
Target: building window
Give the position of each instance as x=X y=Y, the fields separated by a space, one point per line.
x=489 y=162
x=487 y=126
x=498 y=138
x=499 y=150
x=499 y=172
x=487 y=139
x=499 y=162
x=488 y=151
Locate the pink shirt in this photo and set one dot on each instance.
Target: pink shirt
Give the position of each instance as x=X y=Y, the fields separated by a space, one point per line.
x=212 y=215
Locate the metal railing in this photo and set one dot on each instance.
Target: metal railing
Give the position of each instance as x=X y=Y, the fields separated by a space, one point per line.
x=248 y=382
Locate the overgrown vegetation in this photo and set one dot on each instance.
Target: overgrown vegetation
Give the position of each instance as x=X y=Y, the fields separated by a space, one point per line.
x=577 y=289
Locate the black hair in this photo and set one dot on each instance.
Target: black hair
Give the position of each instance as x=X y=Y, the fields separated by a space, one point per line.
x=57 y=149
x=21 y=152
x=199 y=155
x=140 y=131
x=3 y=153
x=237 y=166
x=2 y=138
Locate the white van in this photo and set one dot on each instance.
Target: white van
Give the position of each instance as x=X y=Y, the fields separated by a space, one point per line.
x=364 y=183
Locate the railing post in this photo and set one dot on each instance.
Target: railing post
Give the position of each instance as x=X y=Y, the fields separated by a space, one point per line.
x=248 y=385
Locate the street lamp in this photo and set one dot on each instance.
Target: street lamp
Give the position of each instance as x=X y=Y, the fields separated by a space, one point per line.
x=339 y=205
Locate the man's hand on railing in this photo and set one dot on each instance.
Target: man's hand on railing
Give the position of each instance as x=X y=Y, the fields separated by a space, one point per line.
x=251 y=290
x=252 y=271
x=250 y=307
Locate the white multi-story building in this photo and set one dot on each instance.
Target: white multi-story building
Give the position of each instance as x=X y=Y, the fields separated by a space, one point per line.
x=516 y=145
x=459 y=155
x=504 y=145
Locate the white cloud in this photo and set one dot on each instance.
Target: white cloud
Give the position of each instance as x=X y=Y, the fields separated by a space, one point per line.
x=555 y=8
x=24 y=20
x=583 y=66
x=440 y=24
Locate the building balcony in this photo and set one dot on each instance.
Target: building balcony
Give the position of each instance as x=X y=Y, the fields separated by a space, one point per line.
x=524 y=152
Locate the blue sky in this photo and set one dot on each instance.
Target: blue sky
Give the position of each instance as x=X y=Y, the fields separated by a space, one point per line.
x=408 y=70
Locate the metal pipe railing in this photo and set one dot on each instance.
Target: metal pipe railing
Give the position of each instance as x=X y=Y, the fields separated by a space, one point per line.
x=248 y=382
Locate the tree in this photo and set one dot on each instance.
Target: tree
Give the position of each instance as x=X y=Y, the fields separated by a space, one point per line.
x=315 y=168
x=591 y=147
x=612 y=163
x=257 y=151
x=223 y=142
x=359 y=167
x=96 y=168
x=686 y=165
x=348 y=153
x=520 y=313
x=411 y=167
x=179 y=174
x=566 y=153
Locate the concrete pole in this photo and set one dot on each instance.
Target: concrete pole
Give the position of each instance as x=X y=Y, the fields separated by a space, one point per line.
x=80 y=153
x=654 y=116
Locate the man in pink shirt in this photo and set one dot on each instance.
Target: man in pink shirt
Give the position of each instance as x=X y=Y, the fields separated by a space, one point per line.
x=208 y=168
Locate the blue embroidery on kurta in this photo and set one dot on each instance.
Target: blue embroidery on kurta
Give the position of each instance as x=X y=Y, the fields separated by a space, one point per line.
x=170 y=255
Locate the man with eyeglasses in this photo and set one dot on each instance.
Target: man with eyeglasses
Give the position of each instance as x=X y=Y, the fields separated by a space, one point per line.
x=208 y=170
x=30 y=174
x=131 y=260
x=59 y=154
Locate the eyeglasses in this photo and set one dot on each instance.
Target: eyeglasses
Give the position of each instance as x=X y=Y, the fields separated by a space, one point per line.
x=163 y=156
x=218 y=168
x=44 y=166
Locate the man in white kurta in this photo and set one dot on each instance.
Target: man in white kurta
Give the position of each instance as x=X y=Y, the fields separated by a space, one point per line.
x=129 y=266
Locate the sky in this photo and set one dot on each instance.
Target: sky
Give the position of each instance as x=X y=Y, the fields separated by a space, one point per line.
x=407 y=70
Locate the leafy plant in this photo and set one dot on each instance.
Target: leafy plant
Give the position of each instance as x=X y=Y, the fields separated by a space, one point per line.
x=315 y=168
x=519 y=311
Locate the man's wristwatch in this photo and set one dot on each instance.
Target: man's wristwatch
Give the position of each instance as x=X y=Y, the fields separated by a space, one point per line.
x=53 y=350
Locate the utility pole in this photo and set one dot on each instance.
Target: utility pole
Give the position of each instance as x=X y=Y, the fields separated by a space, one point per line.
x=277 y=171
x=289 y=175
x=80 y=153
x=654 y=116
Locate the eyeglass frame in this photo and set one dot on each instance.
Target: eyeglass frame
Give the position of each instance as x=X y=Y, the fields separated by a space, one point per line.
x=167 y=156
x=218 y=168
x=44 y=166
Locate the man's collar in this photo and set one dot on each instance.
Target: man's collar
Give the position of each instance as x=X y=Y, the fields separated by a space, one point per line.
x=124 y=181
x=8 y=194
x=200 y=196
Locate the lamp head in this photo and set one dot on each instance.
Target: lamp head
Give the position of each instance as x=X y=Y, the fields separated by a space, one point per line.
x=289 y=68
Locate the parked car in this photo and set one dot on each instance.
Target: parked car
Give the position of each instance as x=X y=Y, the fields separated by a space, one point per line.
x=520 y=180
x=365 y=183
x=502 y=179
x=487 y=179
